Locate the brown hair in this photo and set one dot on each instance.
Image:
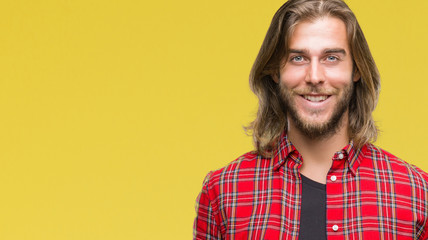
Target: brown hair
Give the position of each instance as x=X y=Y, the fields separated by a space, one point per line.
x=271 y=120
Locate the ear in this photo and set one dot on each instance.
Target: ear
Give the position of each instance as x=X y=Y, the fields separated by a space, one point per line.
x=275 y=77
x=356 y=76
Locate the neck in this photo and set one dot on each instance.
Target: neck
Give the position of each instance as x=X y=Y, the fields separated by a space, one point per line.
x=317 y=153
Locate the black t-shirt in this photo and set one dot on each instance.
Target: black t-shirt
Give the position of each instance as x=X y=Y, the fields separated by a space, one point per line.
x=313 y=210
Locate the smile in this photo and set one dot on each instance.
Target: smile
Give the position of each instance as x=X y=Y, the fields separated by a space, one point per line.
x=315 y=98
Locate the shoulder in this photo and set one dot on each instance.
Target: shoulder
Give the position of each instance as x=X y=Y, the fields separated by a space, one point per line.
x=384 y=161
x=242 y=169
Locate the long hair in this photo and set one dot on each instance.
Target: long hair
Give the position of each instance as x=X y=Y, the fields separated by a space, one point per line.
x=271 y=119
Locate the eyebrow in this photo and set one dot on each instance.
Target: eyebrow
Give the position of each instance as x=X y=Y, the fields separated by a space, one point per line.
x=328 y=50
x=335 y=50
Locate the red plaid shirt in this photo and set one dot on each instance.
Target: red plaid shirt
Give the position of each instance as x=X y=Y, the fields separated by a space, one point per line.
x=371 y=194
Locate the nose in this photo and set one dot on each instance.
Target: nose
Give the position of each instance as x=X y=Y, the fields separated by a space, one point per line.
x=315 y=73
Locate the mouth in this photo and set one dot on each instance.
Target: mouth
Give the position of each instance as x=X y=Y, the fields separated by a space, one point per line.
x=317 y=98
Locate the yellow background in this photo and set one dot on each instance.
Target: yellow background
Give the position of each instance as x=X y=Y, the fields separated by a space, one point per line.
x=112 y=112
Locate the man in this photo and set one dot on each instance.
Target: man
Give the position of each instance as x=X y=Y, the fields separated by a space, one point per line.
x=314 y=174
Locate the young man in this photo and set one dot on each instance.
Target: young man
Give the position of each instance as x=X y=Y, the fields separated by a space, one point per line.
x=314 y=174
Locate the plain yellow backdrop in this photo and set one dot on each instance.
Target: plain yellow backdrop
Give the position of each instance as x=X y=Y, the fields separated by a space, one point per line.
x=112 y=112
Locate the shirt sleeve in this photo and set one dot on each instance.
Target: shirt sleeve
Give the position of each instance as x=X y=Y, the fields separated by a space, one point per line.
x=423 y=195
x=205 y=225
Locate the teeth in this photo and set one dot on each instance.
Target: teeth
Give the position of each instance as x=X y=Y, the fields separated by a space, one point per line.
x=315 y=98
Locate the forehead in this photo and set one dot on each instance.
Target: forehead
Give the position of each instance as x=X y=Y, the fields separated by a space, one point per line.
x=321 y=33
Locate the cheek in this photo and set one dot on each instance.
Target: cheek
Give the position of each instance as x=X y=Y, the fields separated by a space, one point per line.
x=292 y=76
x=339 y=78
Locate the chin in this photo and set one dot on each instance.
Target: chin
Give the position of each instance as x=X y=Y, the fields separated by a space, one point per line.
x=316 y=120
x=316 y=126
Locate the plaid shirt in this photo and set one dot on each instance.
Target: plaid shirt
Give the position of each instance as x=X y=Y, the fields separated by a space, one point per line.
x=371 y=194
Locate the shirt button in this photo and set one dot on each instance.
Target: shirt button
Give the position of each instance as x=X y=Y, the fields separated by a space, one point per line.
x=333 y=178
x=340 y=156
x=335 y=228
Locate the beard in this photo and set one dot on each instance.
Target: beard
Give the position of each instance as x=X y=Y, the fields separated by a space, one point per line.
x=313 y=129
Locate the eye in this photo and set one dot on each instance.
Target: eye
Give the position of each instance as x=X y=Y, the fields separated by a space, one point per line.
x=297 y=59
x=332 y=58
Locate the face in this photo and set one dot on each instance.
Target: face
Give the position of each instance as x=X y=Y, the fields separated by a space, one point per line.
x=316 y=78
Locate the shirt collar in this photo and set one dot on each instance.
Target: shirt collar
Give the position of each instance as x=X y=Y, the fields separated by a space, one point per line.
x=354 y=156
x=285 y=151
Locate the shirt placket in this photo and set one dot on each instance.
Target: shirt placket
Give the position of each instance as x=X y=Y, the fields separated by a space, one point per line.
x=336 y=197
